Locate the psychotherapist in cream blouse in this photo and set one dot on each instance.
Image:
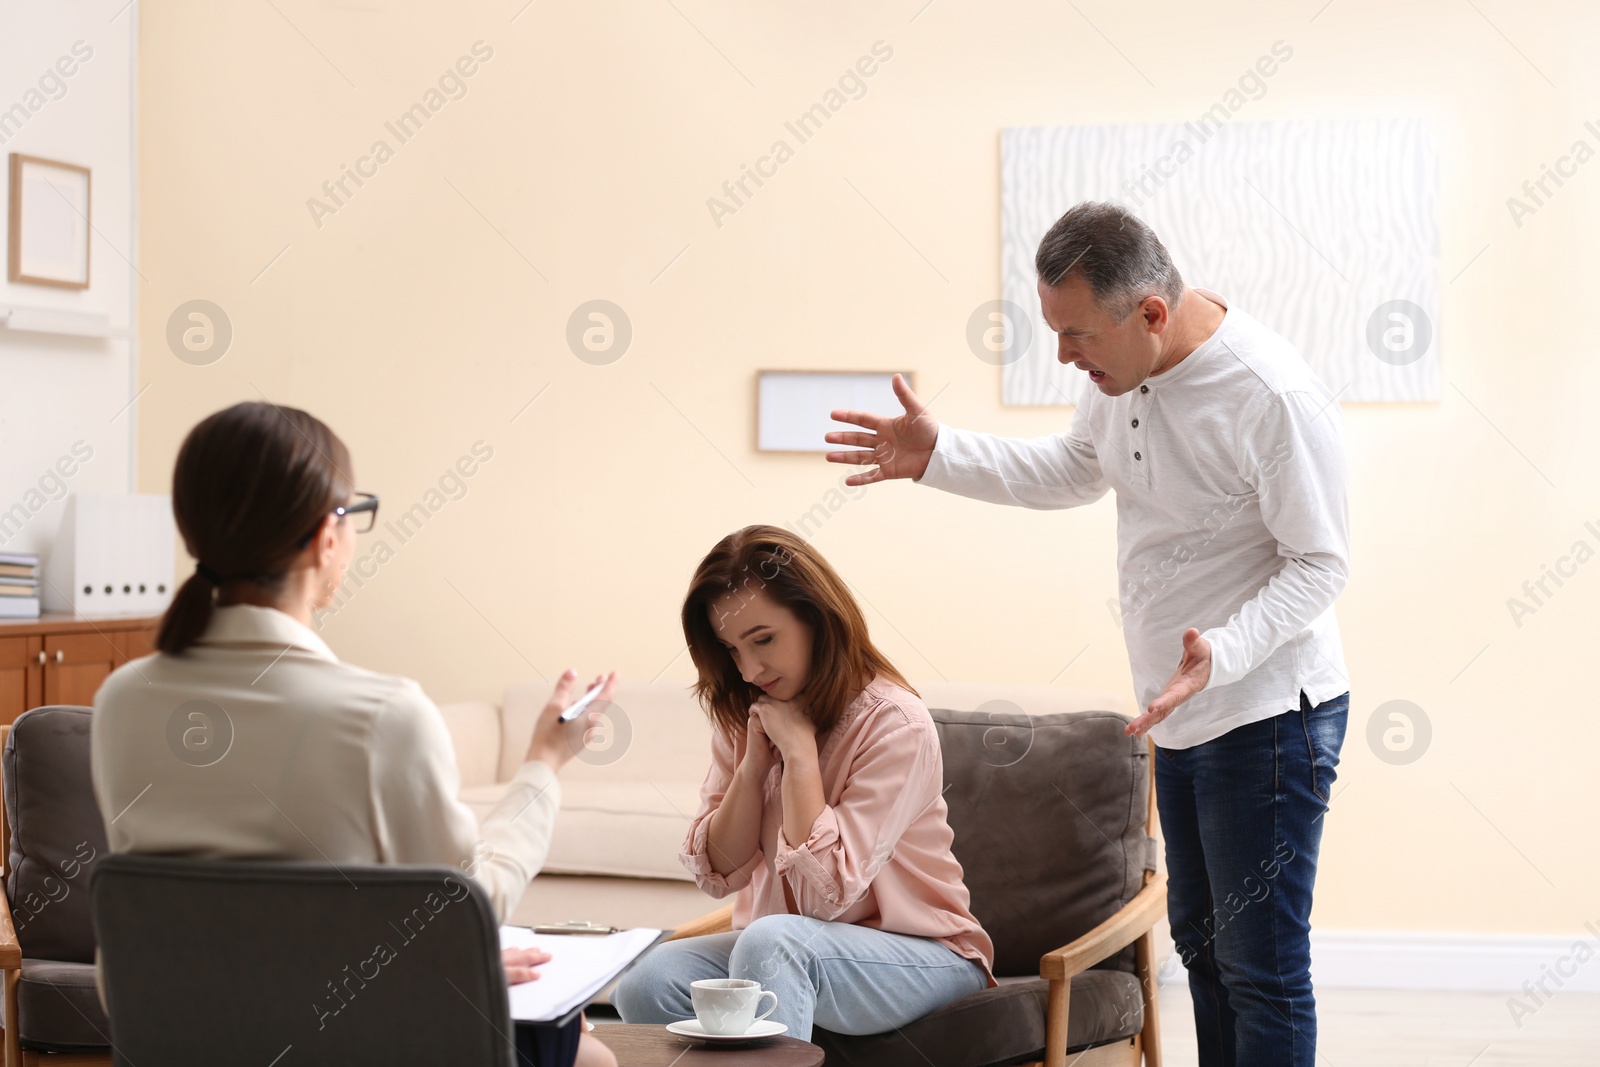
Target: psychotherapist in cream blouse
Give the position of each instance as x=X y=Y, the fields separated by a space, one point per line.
x=257 y=742
x=245 y=738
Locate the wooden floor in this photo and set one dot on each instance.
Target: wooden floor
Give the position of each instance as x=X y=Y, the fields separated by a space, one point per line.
x=1405 y=1028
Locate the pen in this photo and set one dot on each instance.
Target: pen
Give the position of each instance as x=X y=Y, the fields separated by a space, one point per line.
x=572 y=710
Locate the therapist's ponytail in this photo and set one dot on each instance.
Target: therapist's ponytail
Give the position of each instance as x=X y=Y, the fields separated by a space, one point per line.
x=251 y=484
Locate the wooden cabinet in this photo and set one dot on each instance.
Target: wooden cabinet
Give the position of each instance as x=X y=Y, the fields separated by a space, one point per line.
x=21 y=676
x=60 y=659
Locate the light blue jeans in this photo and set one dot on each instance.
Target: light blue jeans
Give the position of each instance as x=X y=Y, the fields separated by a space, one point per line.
x=847 y=978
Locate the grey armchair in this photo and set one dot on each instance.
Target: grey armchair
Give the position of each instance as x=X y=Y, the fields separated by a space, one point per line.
x=1054 y=825
x=209 y=962
x=52 y=837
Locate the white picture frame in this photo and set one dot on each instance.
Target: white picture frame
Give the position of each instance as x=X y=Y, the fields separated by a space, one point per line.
x=48 y=223
x=794 y=407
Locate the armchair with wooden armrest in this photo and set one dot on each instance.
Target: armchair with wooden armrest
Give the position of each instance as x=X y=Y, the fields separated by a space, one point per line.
x=1075 y=814
x=1133 y=924
x=51 y=835
x=10 y=963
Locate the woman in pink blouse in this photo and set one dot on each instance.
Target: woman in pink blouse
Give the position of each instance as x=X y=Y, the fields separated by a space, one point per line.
x=823 y=810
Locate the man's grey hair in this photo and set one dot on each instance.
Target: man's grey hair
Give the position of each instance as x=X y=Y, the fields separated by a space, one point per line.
x=1120 y=258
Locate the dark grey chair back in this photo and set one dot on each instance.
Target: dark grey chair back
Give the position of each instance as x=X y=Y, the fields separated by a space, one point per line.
x=1049 y=814
x=209 y=962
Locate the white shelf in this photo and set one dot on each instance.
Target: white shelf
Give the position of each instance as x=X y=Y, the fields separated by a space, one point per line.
x=15 y=318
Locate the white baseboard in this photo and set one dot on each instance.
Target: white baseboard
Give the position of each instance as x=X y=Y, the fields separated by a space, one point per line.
x=1356 y=959
x=1343 y=959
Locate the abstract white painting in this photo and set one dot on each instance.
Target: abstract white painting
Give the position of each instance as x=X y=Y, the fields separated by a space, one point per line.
x=1326 y=231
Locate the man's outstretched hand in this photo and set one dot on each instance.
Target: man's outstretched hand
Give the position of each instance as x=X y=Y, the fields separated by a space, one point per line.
x=1191 y=676
x=900 y=445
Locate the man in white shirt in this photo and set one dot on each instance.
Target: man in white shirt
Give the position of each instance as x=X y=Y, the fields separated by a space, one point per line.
x=1227 y=457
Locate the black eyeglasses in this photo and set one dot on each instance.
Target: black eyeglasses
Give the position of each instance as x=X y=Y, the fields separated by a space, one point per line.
x=366 y=505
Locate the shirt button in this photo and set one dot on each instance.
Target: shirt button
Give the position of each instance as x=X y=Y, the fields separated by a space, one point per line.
x=1135 y=424
x=1144 y=388
x=1136 y=455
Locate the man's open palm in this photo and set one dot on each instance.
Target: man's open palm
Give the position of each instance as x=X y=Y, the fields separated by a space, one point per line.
x=901 y=445
x=1192 y=675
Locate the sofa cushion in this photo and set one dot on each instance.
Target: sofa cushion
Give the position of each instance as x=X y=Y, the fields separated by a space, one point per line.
x=474 y=727
x=1002 y=1025
x=624 y=829
x=653 y=732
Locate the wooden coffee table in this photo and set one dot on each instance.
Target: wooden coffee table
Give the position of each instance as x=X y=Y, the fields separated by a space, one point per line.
x=651 y=1046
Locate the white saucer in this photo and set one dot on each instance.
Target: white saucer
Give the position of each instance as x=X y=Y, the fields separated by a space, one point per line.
x=692 y=1028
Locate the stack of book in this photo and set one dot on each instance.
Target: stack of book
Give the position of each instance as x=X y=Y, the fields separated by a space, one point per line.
x=19 y=585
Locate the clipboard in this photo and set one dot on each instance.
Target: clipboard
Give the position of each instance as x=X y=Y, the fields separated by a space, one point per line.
x=567 y=1016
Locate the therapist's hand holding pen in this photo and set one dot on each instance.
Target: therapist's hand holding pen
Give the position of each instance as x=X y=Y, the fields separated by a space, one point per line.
x=555 y=742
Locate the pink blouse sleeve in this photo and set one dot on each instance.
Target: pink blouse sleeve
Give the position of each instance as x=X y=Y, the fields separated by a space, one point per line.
x=892 y=782
x=725 y=758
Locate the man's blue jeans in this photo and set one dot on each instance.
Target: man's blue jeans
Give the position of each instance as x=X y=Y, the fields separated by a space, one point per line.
x=1242 y=818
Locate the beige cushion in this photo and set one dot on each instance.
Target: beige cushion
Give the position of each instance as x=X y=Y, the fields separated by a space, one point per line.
x=475 y=733
x=656 y=732
x=621 y=829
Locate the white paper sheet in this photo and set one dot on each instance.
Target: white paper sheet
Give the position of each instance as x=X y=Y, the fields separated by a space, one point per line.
x=580 y=966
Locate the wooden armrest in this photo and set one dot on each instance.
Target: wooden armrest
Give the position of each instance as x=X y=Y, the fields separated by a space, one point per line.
x=5 y=820
x=10 y=950
x=1122 y=929
x=716 y=922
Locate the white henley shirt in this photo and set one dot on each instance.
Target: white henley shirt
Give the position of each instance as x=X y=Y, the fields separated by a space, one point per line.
x=1232 y=516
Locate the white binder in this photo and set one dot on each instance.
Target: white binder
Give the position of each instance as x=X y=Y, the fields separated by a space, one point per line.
x=114 y=554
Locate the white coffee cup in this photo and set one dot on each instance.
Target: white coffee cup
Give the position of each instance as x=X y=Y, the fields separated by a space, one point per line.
x=727 y=1006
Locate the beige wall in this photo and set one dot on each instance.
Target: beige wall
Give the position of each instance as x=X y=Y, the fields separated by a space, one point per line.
x=591 y=141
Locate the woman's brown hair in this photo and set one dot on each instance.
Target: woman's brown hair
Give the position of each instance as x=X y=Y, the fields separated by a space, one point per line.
x=766 y=559
x=251 y=484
